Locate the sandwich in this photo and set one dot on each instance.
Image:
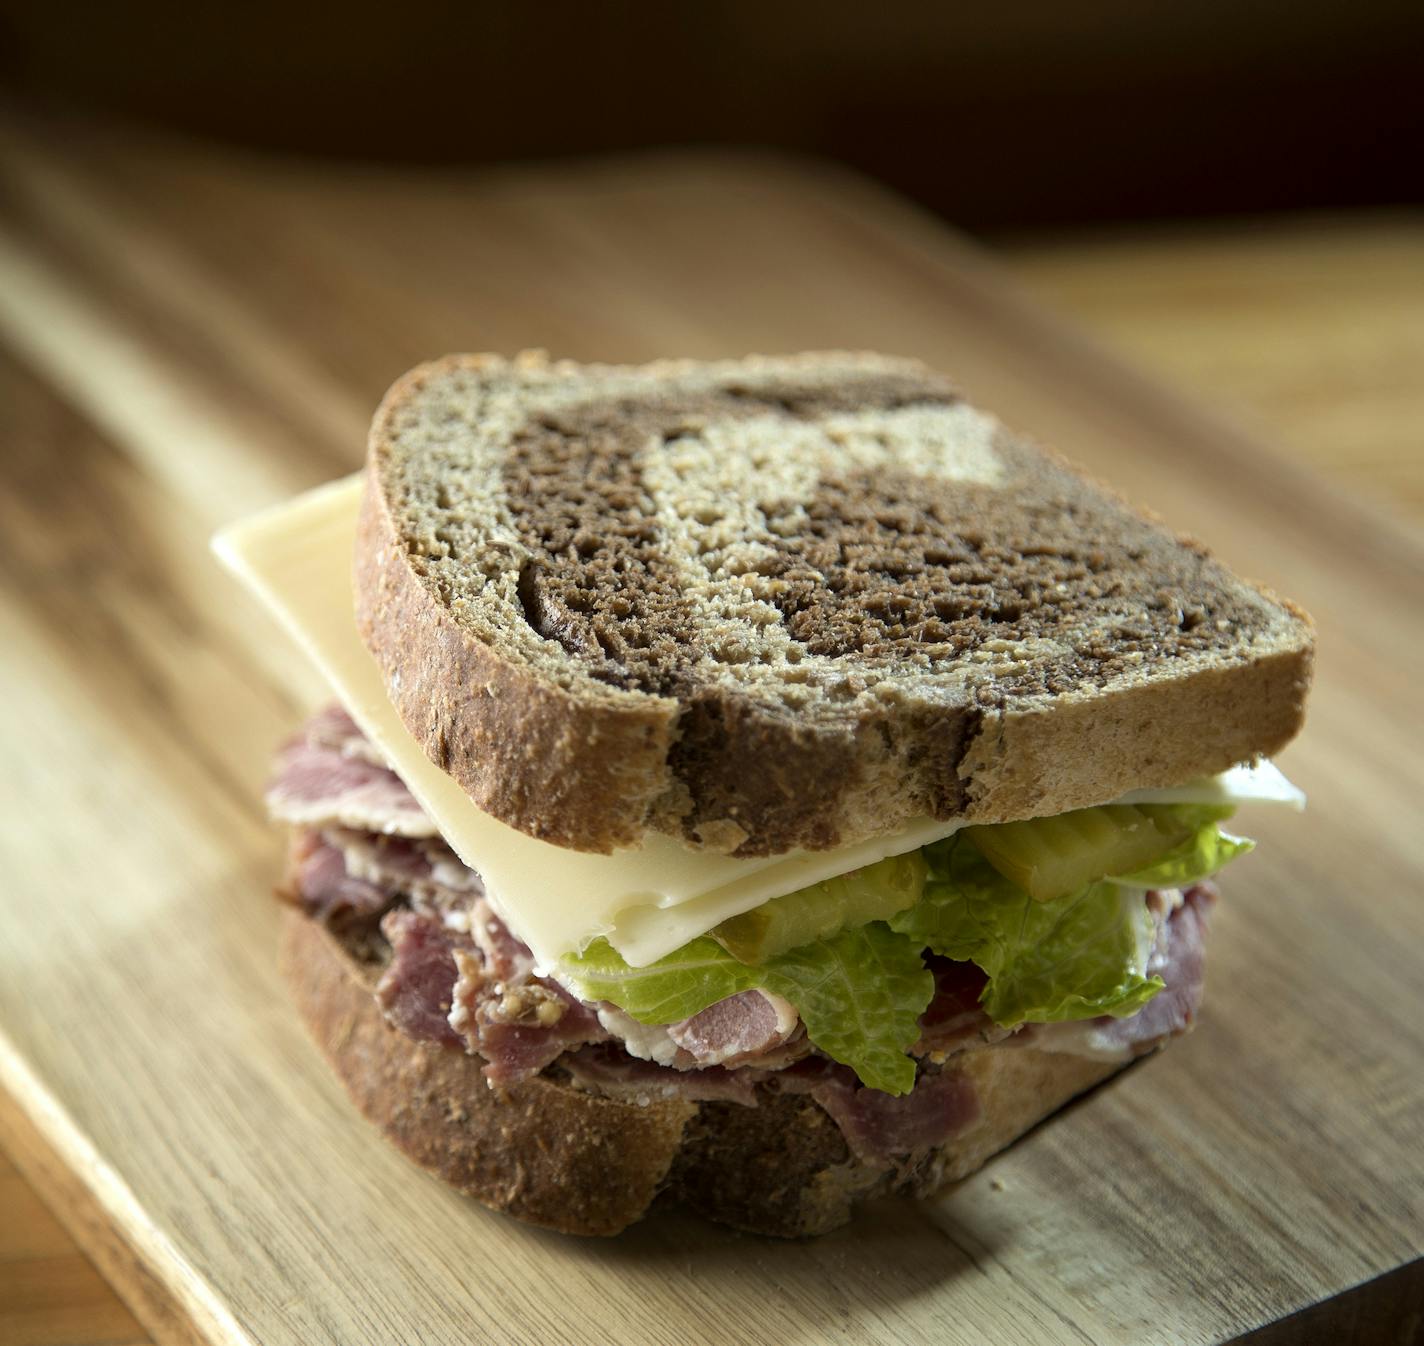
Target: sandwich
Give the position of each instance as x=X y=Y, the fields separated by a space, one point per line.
x=754 y=785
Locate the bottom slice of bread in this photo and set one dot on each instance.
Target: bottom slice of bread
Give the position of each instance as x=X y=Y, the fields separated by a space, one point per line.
x=554 y=1155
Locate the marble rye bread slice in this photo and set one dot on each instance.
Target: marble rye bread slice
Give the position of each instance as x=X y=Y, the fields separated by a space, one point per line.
x=787 y=602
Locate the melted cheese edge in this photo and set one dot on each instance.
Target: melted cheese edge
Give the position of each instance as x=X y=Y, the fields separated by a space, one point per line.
x=296 y=559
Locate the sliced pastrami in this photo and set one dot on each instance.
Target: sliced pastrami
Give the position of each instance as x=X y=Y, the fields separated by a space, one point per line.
x=324 y=888
x=608 y=1069
x=423 y=869
x=736 y=1030
x=317 y=786
x=878 y=1125
x=416 y=991
x=519 y=1023
x=954 y=1019
x=331 y=727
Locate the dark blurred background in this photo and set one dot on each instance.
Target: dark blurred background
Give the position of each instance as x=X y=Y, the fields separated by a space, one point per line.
x=1039 y=113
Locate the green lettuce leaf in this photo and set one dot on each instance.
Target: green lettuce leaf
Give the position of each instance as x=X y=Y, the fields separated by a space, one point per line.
x=1075 y=957
x=1087 y=956
x=676 y=987
x=859 y=993
x=1197 y=858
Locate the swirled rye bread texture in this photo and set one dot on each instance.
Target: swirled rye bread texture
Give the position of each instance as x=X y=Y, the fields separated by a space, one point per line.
x=790 y=602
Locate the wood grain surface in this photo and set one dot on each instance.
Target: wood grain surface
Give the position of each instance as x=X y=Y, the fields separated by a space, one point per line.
x=1311 y=329
x=182 y=339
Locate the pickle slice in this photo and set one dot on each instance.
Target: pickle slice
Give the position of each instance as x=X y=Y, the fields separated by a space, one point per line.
x=873 y=893
x=1051 y=857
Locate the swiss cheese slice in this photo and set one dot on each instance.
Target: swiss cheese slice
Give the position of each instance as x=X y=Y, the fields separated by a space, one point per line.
x=296 y=558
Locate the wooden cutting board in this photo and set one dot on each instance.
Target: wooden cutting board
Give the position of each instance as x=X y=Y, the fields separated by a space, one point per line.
x=184 y=337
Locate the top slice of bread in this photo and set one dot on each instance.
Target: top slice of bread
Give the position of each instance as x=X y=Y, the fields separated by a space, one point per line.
x=792 y=602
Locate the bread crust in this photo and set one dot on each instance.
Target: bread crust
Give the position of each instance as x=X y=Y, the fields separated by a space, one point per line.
x=538 y=1150
x=594 y=771
x=555 y=1156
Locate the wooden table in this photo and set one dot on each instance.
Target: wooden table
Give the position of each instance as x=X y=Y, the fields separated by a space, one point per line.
x=183 y=337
